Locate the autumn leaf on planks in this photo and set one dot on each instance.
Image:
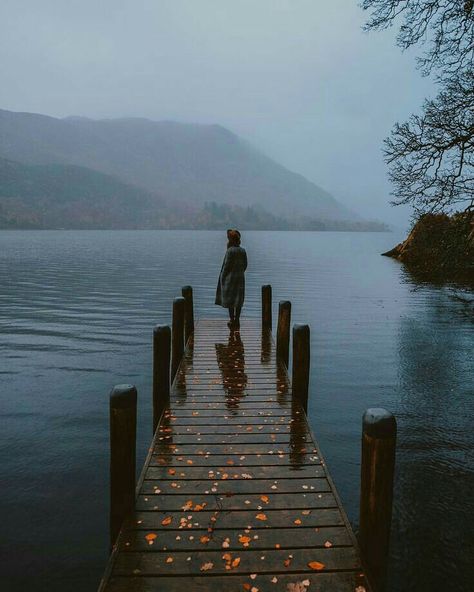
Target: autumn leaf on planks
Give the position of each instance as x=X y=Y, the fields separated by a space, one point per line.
x=316 y=565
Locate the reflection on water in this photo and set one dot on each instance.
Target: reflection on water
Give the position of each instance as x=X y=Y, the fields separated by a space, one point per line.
x=231 y=361
x=76 y=316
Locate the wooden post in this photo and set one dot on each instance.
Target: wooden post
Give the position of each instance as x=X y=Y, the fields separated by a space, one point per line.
x=177 y=341
x=266 y=308
x=379 y=435
x=187 y=293
x=123 y=429
x=161 y=371
x=283 y=331
x=301 y=358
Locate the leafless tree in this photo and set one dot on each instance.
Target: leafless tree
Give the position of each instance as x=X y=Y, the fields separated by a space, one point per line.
x=431 y=156
x=446 y=27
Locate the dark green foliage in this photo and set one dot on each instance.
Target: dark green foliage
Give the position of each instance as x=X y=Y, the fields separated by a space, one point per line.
x=67 y=196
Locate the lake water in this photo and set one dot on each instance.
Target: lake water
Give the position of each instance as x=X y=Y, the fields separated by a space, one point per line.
x=76 y=316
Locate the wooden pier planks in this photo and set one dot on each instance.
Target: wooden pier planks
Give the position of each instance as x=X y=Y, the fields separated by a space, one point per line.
x=234 y=494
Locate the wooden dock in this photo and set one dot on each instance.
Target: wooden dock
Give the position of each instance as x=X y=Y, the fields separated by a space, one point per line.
x=234 y=494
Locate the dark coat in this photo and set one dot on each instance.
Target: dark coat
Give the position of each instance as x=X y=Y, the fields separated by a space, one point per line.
x=231 y=286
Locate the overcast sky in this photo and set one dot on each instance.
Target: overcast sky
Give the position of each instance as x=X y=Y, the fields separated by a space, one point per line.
x=298 y=78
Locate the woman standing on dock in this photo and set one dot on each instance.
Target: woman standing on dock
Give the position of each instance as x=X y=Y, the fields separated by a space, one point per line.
x=231 y=285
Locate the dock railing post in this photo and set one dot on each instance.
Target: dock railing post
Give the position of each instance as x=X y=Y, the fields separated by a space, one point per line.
x=123 y=429
x=161 y=371
x=266 y=308
x=379 y=435
x=177 y=338
x=301 y=359
x=283 y=331
x=187 y=293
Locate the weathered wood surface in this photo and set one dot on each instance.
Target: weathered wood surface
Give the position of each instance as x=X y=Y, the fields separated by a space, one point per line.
x=234 y=494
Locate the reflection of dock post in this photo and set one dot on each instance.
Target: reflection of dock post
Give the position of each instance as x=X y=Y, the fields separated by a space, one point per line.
x=301 y=357
x=177 y=341
x=283 y=332
x=379 y=434
x=123 y=429
x=266 y=308
x=161 y=371
x=187 y=293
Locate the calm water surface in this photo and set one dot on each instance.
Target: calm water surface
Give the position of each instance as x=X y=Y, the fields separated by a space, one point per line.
x=76 y=315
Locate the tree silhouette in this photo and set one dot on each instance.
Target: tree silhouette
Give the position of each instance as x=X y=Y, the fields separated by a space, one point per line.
x=431 y=156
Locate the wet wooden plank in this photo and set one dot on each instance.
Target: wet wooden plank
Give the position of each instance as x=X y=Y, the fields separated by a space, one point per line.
x=321 y=582
x=245 y=472
x=336 y=558
x=236 y=540
x=241 y=519
x=255 y=462
x=234 y=486
x=234 y=471
x=263 y=449
x=236 y=501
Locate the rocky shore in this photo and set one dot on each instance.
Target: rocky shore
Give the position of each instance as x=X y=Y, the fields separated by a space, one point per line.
x=439 y=246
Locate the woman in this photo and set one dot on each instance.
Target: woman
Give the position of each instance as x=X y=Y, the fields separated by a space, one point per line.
x=231 y=286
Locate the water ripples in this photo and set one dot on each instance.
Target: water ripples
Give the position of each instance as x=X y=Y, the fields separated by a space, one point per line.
x=76 y=316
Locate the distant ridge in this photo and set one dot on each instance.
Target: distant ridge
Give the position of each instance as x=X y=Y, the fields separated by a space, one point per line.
x=136 y=173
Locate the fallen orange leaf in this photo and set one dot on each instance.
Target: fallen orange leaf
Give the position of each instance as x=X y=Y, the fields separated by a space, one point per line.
x=264 y=498
x=207 y=566
x=204 y=539
x=261 y=517
x=166 y=521
x=316 y=565
x=236 y=562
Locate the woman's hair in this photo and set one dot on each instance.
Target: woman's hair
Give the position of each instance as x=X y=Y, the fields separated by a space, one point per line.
x=233 y=238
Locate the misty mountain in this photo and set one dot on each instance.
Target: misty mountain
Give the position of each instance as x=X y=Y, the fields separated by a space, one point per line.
x=196 y=164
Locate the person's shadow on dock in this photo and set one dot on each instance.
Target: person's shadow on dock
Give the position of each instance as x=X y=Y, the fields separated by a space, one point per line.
x=231 y=361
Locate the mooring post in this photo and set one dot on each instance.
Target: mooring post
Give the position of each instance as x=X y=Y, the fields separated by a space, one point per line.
x=266 y=308
x=283 y=331
x=301 y=358
x=123 y=429
x=177 y=341
x=187 y=293
x=379 y=435
x=161 y=371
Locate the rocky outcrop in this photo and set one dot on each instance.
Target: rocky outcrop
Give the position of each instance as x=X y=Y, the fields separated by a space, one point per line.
x=439 y=245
